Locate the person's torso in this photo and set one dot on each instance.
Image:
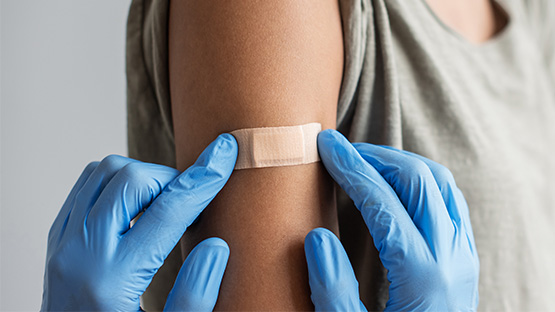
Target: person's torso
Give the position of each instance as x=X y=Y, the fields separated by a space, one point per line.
x=486 y=112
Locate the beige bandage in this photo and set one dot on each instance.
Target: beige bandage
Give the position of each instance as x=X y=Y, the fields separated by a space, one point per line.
x=277 y=146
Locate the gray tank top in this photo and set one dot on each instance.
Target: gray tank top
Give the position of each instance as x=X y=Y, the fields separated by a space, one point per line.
x=486 y=112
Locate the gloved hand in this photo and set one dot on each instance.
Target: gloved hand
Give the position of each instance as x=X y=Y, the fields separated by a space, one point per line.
x=420 y=224
x=95 y=261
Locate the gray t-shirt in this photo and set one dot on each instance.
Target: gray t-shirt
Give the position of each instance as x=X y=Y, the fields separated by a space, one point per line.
x=487 y=112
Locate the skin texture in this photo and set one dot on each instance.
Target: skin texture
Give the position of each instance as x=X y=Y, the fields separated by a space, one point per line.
x=244 y=64
x=475 y=20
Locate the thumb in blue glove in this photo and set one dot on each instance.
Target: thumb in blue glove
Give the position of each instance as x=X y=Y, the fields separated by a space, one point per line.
x=332 y=280
x=198 y=282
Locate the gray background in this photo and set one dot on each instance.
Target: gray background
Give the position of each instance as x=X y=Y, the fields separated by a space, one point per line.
x=62 y=106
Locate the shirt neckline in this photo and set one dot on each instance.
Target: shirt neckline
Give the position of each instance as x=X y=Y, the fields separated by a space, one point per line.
x=495 y=39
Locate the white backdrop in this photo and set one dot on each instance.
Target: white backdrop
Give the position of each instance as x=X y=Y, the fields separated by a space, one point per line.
x=62 y=106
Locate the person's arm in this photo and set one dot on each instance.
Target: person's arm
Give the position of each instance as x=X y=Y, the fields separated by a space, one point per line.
x=244 y=64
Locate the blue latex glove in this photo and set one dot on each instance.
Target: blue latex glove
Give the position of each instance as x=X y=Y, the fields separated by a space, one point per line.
x=95 y=261
x=420 y=224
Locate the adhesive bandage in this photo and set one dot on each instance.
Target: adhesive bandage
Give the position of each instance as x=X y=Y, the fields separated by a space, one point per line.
x=277 y=146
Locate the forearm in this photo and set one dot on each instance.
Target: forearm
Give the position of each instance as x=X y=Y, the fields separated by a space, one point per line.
x=243 y=64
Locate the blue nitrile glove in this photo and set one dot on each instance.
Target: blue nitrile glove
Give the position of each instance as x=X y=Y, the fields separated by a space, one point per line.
x=420 y=224
x=95 y=261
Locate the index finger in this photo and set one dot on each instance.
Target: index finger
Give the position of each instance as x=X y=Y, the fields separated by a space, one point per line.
x=392 y=229
x=61 y=219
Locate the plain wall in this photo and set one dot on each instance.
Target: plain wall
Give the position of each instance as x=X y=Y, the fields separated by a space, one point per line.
x=62 y=106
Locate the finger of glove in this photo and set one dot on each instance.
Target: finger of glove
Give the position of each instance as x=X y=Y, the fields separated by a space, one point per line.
x=394 y=234
x=198 y=282
x=331 y=277
x=452 y=196
x=130 y=191
x=59 y=224
x=459 y=213
x=89 y=193
x=465 y=215
x=163 y=223
x=415 y=185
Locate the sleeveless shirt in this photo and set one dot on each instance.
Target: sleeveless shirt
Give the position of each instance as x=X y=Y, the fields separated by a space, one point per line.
x=485 y=111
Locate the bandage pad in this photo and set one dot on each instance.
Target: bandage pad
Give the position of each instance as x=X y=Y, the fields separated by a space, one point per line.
x=277 y=146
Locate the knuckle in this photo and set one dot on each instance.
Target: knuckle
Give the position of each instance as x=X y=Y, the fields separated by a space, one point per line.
x=55 y=264
x=91 y=166
x=133 y=172
x=443 y=175
x=414 y=168
x=111 y=162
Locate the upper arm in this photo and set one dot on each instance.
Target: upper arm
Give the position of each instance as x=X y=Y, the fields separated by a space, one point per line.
x=244 y=64
x=239 y=64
